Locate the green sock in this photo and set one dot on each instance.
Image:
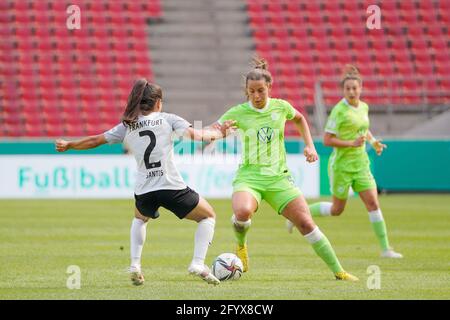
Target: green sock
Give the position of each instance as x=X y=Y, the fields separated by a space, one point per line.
x=379 y=228
x=320 y=209
x=315 y=209
x=324 y=249
x=240 y=230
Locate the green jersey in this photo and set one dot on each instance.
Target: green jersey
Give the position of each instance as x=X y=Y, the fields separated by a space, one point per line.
x=349 y=123
x=262 y=138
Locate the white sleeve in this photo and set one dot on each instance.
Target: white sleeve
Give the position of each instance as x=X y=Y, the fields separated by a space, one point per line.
x=116 y=134
x=177 y=123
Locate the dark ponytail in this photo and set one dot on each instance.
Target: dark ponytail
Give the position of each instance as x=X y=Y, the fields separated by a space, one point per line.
x=260 y=72
x=143 y=97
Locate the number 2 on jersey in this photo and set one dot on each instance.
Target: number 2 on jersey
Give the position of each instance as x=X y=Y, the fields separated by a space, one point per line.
x=148 y=151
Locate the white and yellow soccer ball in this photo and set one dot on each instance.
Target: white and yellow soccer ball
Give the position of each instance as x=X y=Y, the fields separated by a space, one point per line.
x=227 y=266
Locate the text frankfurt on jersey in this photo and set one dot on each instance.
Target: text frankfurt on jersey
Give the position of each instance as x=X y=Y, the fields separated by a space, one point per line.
x=145 y=123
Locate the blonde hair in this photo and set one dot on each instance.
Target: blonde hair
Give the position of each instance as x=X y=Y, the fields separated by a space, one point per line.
x=350 y=73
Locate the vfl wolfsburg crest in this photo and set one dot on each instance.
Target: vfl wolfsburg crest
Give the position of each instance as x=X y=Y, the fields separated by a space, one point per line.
x=265 y=134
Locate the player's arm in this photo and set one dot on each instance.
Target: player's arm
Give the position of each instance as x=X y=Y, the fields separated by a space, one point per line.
x=330 y=140
x=81 y=144
x=309 y=151
x=376 y=144
x=213 y=132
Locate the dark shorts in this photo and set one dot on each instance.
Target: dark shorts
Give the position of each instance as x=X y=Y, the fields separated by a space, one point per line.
x=180 y=202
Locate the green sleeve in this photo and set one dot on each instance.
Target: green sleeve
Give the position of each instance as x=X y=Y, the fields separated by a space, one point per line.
x=290 y=111
x=332 y=125
x=231 y=114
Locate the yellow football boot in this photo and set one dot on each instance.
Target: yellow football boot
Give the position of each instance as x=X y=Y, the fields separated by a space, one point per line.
x=344 y=275
x=242 y=253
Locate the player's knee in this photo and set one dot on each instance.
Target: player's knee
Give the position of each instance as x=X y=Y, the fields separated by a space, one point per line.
x=204 y=211
x=372 y=205
x=207 y=213
x=306 y=226
x=243 y=213
x=140 y=216
x=210 y=214
x=337 y=211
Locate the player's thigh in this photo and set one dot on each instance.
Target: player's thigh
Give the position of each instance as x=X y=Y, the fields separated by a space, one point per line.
x=146 y=206
x=297 y=212
x=245 y=202
x=180 y=202
x=363 y=180
x=281 y=192
x=202 y=211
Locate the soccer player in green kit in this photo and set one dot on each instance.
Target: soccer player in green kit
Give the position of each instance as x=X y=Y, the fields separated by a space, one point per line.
x=263 y=173
x=347 y=130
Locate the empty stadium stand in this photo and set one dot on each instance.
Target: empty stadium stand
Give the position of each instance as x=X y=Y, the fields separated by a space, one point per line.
x=60 y=82
x=404 y=63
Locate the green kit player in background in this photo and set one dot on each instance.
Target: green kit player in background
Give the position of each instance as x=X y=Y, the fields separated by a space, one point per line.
x=263 y=173
x=347 y=130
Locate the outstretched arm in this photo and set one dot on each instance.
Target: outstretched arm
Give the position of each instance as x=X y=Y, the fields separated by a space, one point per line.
x=81 y=144
x=213 y=132
x=302 y=126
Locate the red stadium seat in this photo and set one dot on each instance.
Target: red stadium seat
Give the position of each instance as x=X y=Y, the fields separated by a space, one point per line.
x=420 y=55
x=443 y=69
x=440 y=44
x=335 y=19
x=424 y=68
x=407 y=46
x=53 y=65
x=440 y=57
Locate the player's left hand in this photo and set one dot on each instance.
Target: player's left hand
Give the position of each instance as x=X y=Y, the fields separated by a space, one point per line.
x=311 y=154
x=378 y=146
x=61 y=145
x=229 y=126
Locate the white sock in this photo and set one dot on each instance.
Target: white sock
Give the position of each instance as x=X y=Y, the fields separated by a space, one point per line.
x=314 y=235
x=325 y=208
x=240 y=224
x=203 y=238
x=138 y=233
x=375 y=216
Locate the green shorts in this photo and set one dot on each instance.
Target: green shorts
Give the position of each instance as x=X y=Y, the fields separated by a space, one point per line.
x=277 y=192
x=340 y=182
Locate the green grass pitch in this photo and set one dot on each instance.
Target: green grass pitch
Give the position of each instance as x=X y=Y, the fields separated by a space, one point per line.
x=40 y=239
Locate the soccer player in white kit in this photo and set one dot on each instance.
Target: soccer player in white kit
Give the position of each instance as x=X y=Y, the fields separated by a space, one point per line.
x=147 y=132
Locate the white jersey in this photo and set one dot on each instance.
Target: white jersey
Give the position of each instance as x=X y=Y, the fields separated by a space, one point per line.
x=150 y=141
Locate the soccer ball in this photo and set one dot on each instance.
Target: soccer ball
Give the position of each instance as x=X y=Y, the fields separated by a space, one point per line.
x=227 y=266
